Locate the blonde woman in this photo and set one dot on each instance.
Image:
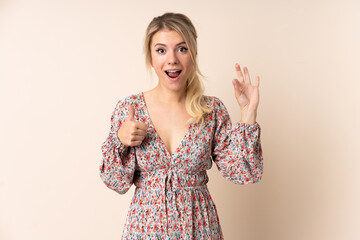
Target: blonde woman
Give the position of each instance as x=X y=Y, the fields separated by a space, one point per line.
x=164 y=140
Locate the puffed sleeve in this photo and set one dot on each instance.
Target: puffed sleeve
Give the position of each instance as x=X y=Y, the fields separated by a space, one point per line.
x=118 y=161
x=236 y=150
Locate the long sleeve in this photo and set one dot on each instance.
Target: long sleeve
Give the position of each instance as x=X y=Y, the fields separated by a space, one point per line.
x=236 y=150
x=118 y=161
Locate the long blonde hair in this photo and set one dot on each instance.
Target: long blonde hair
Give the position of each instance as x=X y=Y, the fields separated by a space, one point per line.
x=180 y=23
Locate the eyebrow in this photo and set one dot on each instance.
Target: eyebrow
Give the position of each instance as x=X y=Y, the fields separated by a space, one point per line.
x=165 y=45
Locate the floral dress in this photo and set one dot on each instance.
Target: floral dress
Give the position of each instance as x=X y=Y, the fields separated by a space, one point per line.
x=171 y=198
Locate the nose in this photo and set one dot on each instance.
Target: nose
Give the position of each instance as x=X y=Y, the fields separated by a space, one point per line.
x=172 y=58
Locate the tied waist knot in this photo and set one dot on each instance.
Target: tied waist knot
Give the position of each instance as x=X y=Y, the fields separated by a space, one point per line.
x=170 y=195
x=171 y=185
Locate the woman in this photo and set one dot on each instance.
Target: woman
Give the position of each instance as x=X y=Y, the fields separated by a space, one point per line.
x=165 y=139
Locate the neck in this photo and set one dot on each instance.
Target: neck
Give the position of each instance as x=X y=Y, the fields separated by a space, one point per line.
x=170 y=97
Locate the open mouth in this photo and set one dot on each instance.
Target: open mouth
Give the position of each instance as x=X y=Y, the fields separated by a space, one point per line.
x=173 y=74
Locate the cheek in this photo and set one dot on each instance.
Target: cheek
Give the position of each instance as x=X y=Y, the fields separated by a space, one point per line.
x=157 y=67
x=189 y=64
x=188 y=60
x=157 y=62
x=154 y=64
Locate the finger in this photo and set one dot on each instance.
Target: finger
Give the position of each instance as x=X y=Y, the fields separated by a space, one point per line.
x=136 y=138
x=131 y=114
x=247 y=76
x=140 y=132
x=238 y=87
x=136 y=143
x=239 y=73
x=257 y=81
x=235 y=84
x=137 y=127
x=141 y=125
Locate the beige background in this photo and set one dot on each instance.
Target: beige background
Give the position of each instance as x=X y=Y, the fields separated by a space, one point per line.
x=65 y=64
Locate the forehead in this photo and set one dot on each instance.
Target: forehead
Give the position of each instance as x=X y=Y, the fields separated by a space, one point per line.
x=167 y=37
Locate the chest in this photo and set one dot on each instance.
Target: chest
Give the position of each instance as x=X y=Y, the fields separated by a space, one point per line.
x=171 y=125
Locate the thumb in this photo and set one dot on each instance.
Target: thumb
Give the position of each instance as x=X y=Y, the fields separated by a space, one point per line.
x=131 y=114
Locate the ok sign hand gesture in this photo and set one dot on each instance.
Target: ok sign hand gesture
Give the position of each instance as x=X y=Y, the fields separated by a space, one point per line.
x=247 y=95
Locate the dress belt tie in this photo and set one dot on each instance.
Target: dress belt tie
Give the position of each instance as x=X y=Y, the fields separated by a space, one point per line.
x=170 y=192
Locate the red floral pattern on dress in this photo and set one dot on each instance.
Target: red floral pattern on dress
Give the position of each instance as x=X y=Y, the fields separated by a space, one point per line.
x=171 y=199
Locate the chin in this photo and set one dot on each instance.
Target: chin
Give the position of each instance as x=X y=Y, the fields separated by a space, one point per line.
x=174 y=84
x=175 y=87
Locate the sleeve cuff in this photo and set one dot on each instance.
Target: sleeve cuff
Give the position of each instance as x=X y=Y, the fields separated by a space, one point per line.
x=248 y=126
x=119 y=145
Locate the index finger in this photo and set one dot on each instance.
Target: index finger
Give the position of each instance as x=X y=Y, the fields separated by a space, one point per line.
x=141 y=125
x=239 y=73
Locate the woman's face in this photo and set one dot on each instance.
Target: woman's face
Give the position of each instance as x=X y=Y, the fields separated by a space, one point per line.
x=171 y=59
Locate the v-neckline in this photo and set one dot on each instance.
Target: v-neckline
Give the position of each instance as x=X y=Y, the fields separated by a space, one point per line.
x=158 y=135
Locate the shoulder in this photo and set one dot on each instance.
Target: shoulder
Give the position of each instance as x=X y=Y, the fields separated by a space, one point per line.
x=219 y=112
x=131 y=99
x=214 y=103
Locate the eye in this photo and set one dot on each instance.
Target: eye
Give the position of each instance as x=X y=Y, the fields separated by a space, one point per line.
x=183 y=49
x=160 y=50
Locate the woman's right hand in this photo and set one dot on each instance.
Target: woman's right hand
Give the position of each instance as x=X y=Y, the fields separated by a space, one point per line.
x=132 y=133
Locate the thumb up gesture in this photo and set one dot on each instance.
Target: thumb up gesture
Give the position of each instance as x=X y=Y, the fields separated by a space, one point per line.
x=131 y=132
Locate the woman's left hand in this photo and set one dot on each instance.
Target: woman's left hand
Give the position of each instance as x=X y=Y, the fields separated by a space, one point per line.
x=247 y=95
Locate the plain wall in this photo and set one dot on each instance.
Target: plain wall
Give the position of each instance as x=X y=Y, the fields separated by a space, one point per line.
x=65 y=64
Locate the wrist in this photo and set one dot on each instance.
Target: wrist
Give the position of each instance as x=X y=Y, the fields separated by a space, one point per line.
x=249 y=117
